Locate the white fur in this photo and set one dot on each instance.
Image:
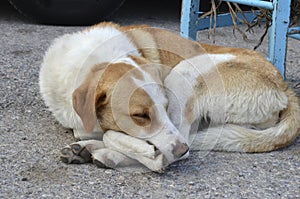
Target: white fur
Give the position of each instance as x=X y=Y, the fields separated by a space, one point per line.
x=152 y=88
x=200 y=65
x=126 y=60
x=68 y=61
x=182 y=80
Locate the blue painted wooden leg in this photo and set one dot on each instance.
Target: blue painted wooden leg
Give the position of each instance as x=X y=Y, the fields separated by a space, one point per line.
x=189 y=17
x=278 y=34
x=294 y=35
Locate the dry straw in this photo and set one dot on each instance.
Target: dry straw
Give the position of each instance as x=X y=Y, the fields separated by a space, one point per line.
x=262 y=18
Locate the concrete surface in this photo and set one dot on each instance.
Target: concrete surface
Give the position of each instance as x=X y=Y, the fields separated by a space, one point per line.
x=30 y=138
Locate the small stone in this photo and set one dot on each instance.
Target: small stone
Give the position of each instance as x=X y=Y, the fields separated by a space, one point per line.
x=191 y=183
x=24 y=179
x=107 y=171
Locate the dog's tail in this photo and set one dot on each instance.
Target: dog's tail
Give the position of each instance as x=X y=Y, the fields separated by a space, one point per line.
x=230 y=137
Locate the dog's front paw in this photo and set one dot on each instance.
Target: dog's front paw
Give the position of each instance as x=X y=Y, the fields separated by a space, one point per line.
x=75 y=154
x=80 y=152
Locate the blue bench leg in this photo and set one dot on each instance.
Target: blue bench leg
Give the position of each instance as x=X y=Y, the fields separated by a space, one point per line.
x=189 y=17
x=278 y=34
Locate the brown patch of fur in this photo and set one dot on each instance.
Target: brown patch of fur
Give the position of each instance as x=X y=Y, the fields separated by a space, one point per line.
x=103 y=93
x=83 y=98
x=189 y=110
x=111 y=75
x=139 y=106
x=248 y=60
x=139 y=102
x=134 y=27
x=248 y=65
x=145 y=43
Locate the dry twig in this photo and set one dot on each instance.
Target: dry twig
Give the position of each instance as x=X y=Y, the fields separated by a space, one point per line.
x=262 y=16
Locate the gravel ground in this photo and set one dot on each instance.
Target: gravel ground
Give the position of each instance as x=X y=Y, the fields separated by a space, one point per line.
x=31 y=138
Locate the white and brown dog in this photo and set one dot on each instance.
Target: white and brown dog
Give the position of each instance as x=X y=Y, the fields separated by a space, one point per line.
x=136 y=94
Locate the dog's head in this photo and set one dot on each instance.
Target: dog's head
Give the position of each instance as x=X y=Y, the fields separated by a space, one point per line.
x=128 y=96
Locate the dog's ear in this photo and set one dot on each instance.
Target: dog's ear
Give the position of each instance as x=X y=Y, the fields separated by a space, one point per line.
x=84 y=105
x=84 y=98
x=101 y=100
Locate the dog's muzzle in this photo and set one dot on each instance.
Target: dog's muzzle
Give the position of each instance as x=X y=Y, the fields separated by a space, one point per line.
x=179 y=150
x=171 y=144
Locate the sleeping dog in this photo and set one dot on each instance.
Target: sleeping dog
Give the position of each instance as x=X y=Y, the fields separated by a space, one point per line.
x=138 y=95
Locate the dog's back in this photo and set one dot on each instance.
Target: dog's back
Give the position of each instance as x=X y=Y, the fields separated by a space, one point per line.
x=242 y=94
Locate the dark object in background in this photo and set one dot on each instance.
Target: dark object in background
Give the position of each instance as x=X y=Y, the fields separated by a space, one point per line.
x=67 y=12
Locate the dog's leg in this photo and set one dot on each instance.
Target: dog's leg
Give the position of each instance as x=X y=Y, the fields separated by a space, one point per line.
x=139 y=150
x=80 y=152
x=117 y=151
x=80 y=134
x=94 y=151
x=108 y=158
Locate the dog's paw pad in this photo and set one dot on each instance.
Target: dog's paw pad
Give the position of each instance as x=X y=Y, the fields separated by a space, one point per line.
x=75 y=154
x=76 y=148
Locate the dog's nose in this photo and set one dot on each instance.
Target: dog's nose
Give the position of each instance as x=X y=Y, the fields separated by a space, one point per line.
x=180 y=150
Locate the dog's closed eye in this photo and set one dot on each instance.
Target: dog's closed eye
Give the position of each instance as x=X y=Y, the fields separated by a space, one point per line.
x=142 y=118
x=141 y=115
